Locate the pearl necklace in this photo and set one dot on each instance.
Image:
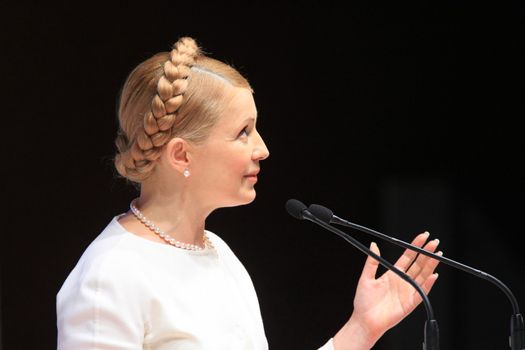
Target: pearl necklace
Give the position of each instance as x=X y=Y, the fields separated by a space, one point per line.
x=165 y=236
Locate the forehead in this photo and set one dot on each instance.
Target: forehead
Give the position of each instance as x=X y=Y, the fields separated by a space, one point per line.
x=239 y=107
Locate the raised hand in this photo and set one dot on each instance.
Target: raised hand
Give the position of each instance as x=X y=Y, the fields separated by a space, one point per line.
x=381 y=303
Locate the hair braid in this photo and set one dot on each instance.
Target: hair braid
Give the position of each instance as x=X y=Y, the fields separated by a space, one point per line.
x=136 y=155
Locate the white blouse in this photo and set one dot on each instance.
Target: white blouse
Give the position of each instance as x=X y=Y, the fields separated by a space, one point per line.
x=127 y=292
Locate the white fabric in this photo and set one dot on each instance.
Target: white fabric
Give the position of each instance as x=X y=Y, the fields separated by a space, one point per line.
x=130 y=293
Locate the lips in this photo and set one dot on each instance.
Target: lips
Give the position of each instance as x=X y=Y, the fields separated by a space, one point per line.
x=252 y=176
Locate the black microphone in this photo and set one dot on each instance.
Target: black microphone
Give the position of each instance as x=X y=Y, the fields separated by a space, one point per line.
x=517 y=328
x=431 y=334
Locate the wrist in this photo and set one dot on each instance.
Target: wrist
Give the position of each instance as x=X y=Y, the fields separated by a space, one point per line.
x=355 y=336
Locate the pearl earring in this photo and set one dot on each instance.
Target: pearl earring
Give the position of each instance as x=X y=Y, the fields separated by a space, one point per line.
x=186 y=172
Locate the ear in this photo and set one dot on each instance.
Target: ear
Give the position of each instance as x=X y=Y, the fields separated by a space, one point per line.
x=176 y=154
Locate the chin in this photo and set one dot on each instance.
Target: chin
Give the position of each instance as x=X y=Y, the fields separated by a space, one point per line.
x=244 y=199
x=251 y=196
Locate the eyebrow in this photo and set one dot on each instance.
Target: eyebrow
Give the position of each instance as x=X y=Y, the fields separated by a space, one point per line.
x=248 y=120
x=252 y=118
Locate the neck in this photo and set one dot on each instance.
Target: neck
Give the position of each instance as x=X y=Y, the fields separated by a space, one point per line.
x=175 y=212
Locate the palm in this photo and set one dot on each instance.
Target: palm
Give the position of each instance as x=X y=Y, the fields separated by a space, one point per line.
x=383 y=302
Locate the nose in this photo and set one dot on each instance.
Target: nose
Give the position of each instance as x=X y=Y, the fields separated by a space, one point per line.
x=260 y=151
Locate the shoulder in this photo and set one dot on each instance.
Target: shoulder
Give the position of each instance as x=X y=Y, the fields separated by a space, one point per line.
x=104 y=298
x=114 y=248
x=110 y=259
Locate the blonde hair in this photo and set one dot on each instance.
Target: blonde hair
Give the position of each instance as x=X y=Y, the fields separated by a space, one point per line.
x=172 y=94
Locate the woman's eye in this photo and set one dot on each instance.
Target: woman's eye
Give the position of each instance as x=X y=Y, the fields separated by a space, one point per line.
x=244 y=132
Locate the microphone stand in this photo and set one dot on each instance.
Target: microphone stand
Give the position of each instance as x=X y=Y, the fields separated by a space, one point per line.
x=431 y=332
x=517 y=328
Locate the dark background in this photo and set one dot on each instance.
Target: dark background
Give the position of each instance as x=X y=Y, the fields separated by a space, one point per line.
x=402 y=117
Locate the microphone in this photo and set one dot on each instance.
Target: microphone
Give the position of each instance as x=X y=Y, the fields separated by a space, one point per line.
x=431 y=334
x=517 y=328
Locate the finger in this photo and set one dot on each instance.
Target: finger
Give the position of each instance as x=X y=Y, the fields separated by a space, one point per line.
x=416 y=268
x=427 y=269
x=404 y=261
x=426 y=286
x=371 y=264
x=429 y=282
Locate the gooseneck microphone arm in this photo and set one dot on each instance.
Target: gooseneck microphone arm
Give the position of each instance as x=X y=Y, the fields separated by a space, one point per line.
x=517 y=337
x=431 y=340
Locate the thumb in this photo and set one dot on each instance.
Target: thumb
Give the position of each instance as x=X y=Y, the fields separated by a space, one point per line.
x=371 y=264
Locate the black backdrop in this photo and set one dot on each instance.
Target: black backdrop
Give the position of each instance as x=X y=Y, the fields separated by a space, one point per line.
x=402 y=117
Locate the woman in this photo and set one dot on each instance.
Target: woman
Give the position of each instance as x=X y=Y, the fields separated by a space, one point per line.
x=155 y=278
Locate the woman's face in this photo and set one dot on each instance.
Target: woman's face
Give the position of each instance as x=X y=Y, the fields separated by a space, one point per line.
x=225 y=167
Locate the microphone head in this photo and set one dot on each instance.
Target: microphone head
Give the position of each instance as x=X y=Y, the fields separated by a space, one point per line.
x=322 y=213
x=295 y=208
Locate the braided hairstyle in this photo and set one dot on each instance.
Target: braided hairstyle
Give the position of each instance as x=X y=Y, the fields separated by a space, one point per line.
x=177 y=94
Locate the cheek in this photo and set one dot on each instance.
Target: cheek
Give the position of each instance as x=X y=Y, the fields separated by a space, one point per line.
x=235 y=166
x=233 y=163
